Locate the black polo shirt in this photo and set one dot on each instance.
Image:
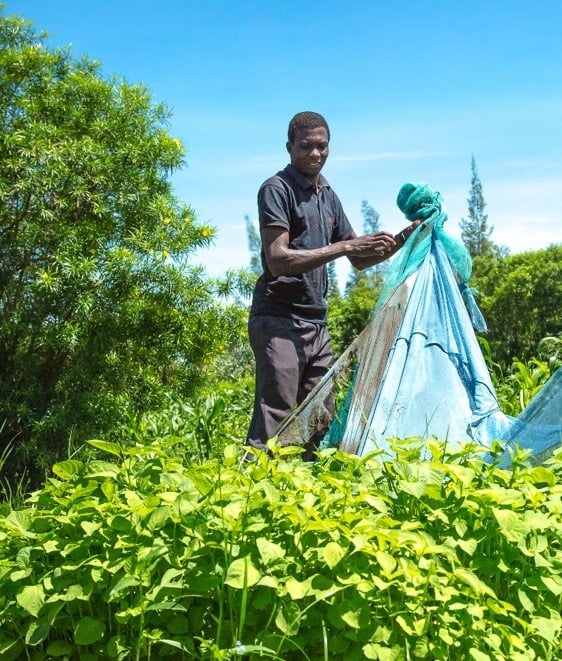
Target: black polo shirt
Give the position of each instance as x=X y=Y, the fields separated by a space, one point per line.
x=314 y=218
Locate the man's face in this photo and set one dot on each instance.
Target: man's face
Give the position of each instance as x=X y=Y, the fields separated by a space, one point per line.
x=309 y=151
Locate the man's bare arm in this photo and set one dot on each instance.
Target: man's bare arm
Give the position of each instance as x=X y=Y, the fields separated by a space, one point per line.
x=283 y=260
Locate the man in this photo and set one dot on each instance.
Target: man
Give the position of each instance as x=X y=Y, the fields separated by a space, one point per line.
x=303 y=227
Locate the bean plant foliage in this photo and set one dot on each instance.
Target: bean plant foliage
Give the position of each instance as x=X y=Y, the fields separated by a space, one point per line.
x=139 y=556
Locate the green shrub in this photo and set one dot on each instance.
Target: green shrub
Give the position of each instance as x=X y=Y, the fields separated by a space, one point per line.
x=521 y=381
x=348 y=558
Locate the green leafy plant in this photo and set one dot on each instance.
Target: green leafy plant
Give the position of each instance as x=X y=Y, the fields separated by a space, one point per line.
x=101 y=312
x=380 y=557
x=517 y=385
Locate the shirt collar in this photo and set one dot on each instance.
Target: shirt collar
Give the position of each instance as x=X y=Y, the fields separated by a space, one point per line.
x=303 y=182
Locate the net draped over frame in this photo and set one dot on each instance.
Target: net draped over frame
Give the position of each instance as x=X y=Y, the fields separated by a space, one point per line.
x=420 y=371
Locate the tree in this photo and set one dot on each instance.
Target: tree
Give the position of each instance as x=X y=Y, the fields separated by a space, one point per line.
x=475 y=231
x=521 y=299
x=370 y=226
x=100 y=310
x=370 y=218
x=333 y=285
x=254 y=246
x=348 y=315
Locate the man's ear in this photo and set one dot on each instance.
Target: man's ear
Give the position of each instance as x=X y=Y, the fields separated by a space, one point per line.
x=288 y=145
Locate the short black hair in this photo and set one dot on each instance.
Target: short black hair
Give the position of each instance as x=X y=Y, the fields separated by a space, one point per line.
x=306 y=120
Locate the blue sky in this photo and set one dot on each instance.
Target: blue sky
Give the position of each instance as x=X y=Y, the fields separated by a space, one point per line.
x=411 y=91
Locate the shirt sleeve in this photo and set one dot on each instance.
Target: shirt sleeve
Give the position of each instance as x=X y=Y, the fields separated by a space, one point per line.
x=273 y=206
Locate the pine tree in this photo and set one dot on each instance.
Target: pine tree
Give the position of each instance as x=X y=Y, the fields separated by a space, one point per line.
x=370 y=218
x=474 y=230
x=254 y=246
x=371 y=225
x=333 y=285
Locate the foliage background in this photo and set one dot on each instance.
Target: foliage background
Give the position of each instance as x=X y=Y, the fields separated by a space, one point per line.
x=100 y=310
x=388 y=558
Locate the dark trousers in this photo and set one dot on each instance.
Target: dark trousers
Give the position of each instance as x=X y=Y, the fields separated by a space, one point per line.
x=291 y=358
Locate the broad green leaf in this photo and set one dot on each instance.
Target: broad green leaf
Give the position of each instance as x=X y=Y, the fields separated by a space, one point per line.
x=232 y=510
x=66 y=469
x=288 y=618
x=36 y=633
x=526 y=602
x=20 y=575
x=242 y=573
x=269 y=582
x=159 y=517
x=90 y=528
x=178 y=624
x=333 y=553
x=231 y=454
x=168 y=497
x=511 y=524
x=387 y=562
x=298 y=589
x=106 y=446
x=270 y=552
x=19 y=522
x=123 y=584
x=463 y=474
x=59 y=648
x=270 y=491
x=376 y=503
x=537 y=520
x=120 y=523
x=117 y=647
x=468 y=545
x=547 y=628
x=31 y=598
x=172 y=577
x=354 y=614
x=553 y=583
x=23 y=558
x=379 y=652
x=51 y=545
x=473 y=581
x=541 y=475
x=412 y=625
x=500 y=496
x=11 y=649
x=97 y=468
x=88 y=631
x=108 y=489
x=416 y=489
x=74 y=592
x=186 y=502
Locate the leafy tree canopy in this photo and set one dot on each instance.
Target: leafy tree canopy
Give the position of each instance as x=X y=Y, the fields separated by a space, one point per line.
x=521 y=298
x=99 y=306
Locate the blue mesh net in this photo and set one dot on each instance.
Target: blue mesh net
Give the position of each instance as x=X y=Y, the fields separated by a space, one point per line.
x=430 y=378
